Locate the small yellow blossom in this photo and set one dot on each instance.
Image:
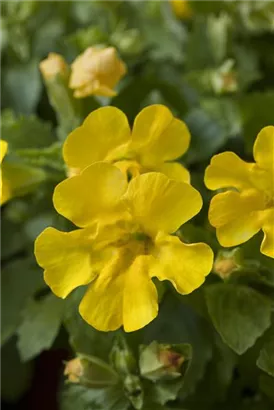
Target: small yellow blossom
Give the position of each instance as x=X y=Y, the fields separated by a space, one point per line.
x=96 y=72
x=124 y=242
x=53 y=65
x=182 y=9
x=247 y=206
x=157 y=138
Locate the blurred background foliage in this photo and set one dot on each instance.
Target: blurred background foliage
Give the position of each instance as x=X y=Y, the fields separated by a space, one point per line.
x=213 y=66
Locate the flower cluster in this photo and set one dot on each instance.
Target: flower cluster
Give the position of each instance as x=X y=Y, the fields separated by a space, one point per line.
x=125 y=237
x=128 y=196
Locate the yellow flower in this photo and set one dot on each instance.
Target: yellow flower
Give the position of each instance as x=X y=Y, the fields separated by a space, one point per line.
x=96 y=72
x=182 y=9
x=248 y=204
x=156 y=139
x=124 y=242
x=53 y=65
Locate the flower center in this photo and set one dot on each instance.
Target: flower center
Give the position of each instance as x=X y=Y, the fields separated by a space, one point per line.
x=129 y=167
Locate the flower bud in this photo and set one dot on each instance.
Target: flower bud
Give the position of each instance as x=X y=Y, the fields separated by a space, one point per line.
x=74 y=370
x=55 y=72
x=227 y=262
x=122 y=357
x=53 y=65
x=224 y=79
x=163 y=362
x=90 y=371
x=96 y=72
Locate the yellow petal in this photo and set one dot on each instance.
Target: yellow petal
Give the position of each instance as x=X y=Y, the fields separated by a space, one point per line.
x=236 y=216
x=157 y=136
x=94 y=194
x=67 y=259
x=102 y=305
x=228 y=170
x=103 y=131
x=140 y=302
x=267 y=247
x=184 y=265
x=174 y=170
x=264 y=148
x=3 y=149
x=161 y=204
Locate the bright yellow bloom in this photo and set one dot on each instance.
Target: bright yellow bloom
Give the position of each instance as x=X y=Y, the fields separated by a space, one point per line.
x=182 y=9
x=96 y=72
x=125 y=241
x=248 y=204
x=53 y=65
x=156 y=139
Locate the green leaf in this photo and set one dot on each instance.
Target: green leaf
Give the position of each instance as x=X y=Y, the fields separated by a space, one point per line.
x=18 y=376
x=266 y=358
x=262 y=104
x=240 y=314
x=25 y=132
x=14 y=238
x=40 y=326
x=83 y=337
x=20 y=280
x=22 y=86
x=77 y=397
x=207 y=136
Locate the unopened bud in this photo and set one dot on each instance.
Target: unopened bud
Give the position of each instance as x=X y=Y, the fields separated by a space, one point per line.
x=90 y=371
x=164 y=362
x=53 y=65
x=96 y=72
x=74 y=370
x=224 y=79
x=122 y=357
x=227 y=262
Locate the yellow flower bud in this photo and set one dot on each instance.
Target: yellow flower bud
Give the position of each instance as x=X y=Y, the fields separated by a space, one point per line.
x=227 y=262
x=74 y=370
x=96 y=72
x=53 y=65
x=182 y=9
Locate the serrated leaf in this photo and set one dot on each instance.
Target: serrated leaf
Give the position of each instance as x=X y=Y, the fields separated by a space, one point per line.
x=22 y=86
x=39 y=326
x=266 y=358
x=25 y=132
x=239 y=313
x=20 y=280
